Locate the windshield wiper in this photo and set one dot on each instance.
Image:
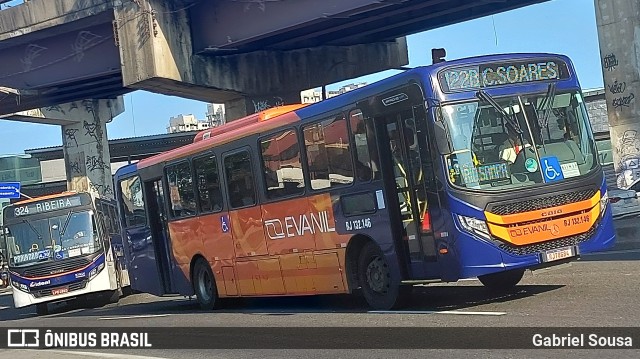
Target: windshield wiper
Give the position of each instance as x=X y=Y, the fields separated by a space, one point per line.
x=546 y=104
x=510 y=117
x=33 y=229
x=66 y=223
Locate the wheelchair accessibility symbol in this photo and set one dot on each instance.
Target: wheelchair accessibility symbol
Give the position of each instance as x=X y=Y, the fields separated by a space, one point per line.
x=224 y=223
x=551 y=169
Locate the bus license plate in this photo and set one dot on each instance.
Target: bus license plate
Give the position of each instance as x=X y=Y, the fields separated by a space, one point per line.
x=558 y=254
x=58 y=291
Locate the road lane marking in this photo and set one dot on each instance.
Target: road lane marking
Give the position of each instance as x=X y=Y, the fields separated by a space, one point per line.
x=135 y=317
x=93 y=354
x=2 y=307
x=612 y=252
x=452 y=312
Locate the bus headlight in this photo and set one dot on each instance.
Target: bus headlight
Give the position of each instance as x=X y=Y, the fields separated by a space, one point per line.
x=474 y=225
x=603 y=202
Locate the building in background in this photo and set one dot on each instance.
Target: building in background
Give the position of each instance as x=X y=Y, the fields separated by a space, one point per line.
x=311 y=96
x=215 y=114
x=315 y=95
x=346 y=88
x=186 y=123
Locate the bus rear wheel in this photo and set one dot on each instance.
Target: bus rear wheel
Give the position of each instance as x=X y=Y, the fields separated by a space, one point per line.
x=502 y=280
x=42 y=309
x=378 y=287
x=204 y=284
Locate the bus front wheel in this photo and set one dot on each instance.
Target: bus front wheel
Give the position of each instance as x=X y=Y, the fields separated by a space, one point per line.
x=204 y=284
x=378 y=287
x=502 y=280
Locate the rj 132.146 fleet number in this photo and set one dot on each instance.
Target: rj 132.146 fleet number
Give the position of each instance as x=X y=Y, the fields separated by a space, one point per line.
x=357 y=224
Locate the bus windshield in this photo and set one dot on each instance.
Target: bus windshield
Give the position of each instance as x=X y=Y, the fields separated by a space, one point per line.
x=518 y=141
x=55 y=238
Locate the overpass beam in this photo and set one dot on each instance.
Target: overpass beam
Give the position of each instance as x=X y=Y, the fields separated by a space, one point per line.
x=618 y=22
x=157 y=55
x=85 y=146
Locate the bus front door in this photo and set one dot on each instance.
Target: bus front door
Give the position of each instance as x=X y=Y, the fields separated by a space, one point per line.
x=406 y=155
x=160 y=232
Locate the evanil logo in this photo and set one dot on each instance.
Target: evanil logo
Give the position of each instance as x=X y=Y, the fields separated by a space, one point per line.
x=40 y=284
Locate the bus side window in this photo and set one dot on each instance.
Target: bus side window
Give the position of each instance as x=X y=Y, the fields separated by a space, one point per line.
x=328 y=153
x=208 y=184
x=183 y=198
x=240 y=183
x=363 y=138
x=132 y=202
x=281 y=165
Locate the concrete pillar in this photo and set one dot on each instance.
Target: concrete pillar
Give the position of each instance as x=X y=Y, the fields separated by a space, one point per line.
x=85 y=144
x=619 y=35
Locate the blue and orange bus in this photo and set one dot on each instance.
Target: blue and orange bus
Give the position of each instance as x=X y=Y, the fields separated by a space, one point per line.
x=63 y=247
x=481 y=167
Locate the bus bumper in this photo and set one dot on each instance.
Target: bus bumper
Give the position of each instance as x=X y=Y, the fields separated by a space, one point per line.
x=479 y=256
x=98 y=283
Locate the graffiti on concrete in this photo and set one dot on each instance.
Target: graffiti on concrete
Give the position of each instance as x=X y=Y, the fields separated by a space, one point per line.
x=263 y=104
x=617 y=87
x=70 y=135
x=75 y=167
x=103 y=190
x=610 y=62
x=31 y=52
x=88 y=106
x=623 y=101
x=91 y=129
x=55 y=108
x=95 y=163
x=73 y=106
x=84 y=41
x=628 y=151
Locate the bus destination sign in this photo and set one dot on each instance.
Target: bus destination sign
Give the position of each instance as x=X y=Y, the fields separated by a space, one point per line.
x=47 y=206
x=499 y=74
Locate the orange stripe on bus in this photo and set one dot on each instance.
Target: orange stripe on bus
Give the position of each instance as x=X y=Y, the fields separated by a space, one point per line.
x=544 y=213
x=546 y=230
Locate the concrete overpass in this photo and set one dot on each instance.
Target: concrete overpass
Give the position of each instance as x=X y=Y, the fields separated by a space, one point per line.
x=73 y=58
x=59 y=51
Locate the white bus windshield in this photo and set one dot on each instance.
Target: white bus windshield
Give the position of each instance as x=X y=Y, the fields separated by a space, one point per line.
x=49 y=239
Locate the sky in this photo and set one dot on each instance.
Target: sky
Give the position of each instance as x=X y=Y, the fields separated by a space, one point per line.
x=558 y=26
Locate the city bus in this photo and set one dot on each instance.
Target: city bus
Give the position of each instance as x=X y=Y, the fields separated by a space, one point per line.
x=62 y=247
x=475 y=168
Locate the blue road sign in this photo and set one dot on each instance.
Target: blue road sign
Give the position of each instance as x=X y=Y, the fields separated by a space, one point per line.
x=9 y=189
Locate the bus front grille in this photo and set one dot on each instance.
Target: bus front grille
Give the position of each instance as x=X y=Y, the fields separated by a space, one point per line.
x=535 y=204
x=548 y=245
x=72 y=287
x=58 y=267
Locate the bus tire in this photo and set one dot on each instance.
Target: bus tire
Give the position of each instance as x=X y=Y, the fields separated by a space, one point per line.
x=42 y=309
x=374 y=276
x=204 y=284
x=502 y=281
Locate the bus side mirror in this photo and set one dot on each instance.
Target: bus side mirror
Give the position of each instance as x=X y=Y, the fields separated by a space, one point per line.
x=442 y=139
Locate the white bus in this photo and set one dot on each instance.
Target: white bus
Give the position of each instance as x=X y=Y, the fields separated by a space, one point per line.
x=62 y=247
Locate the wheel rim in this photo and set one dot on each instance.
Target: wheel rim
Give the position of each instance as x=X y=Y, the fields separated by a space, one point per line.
x=378 y=275
x=205 y=285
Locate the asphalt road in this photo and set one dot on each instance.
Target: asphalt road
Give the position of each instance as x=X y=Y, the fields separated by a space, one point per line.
x=600 y=290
